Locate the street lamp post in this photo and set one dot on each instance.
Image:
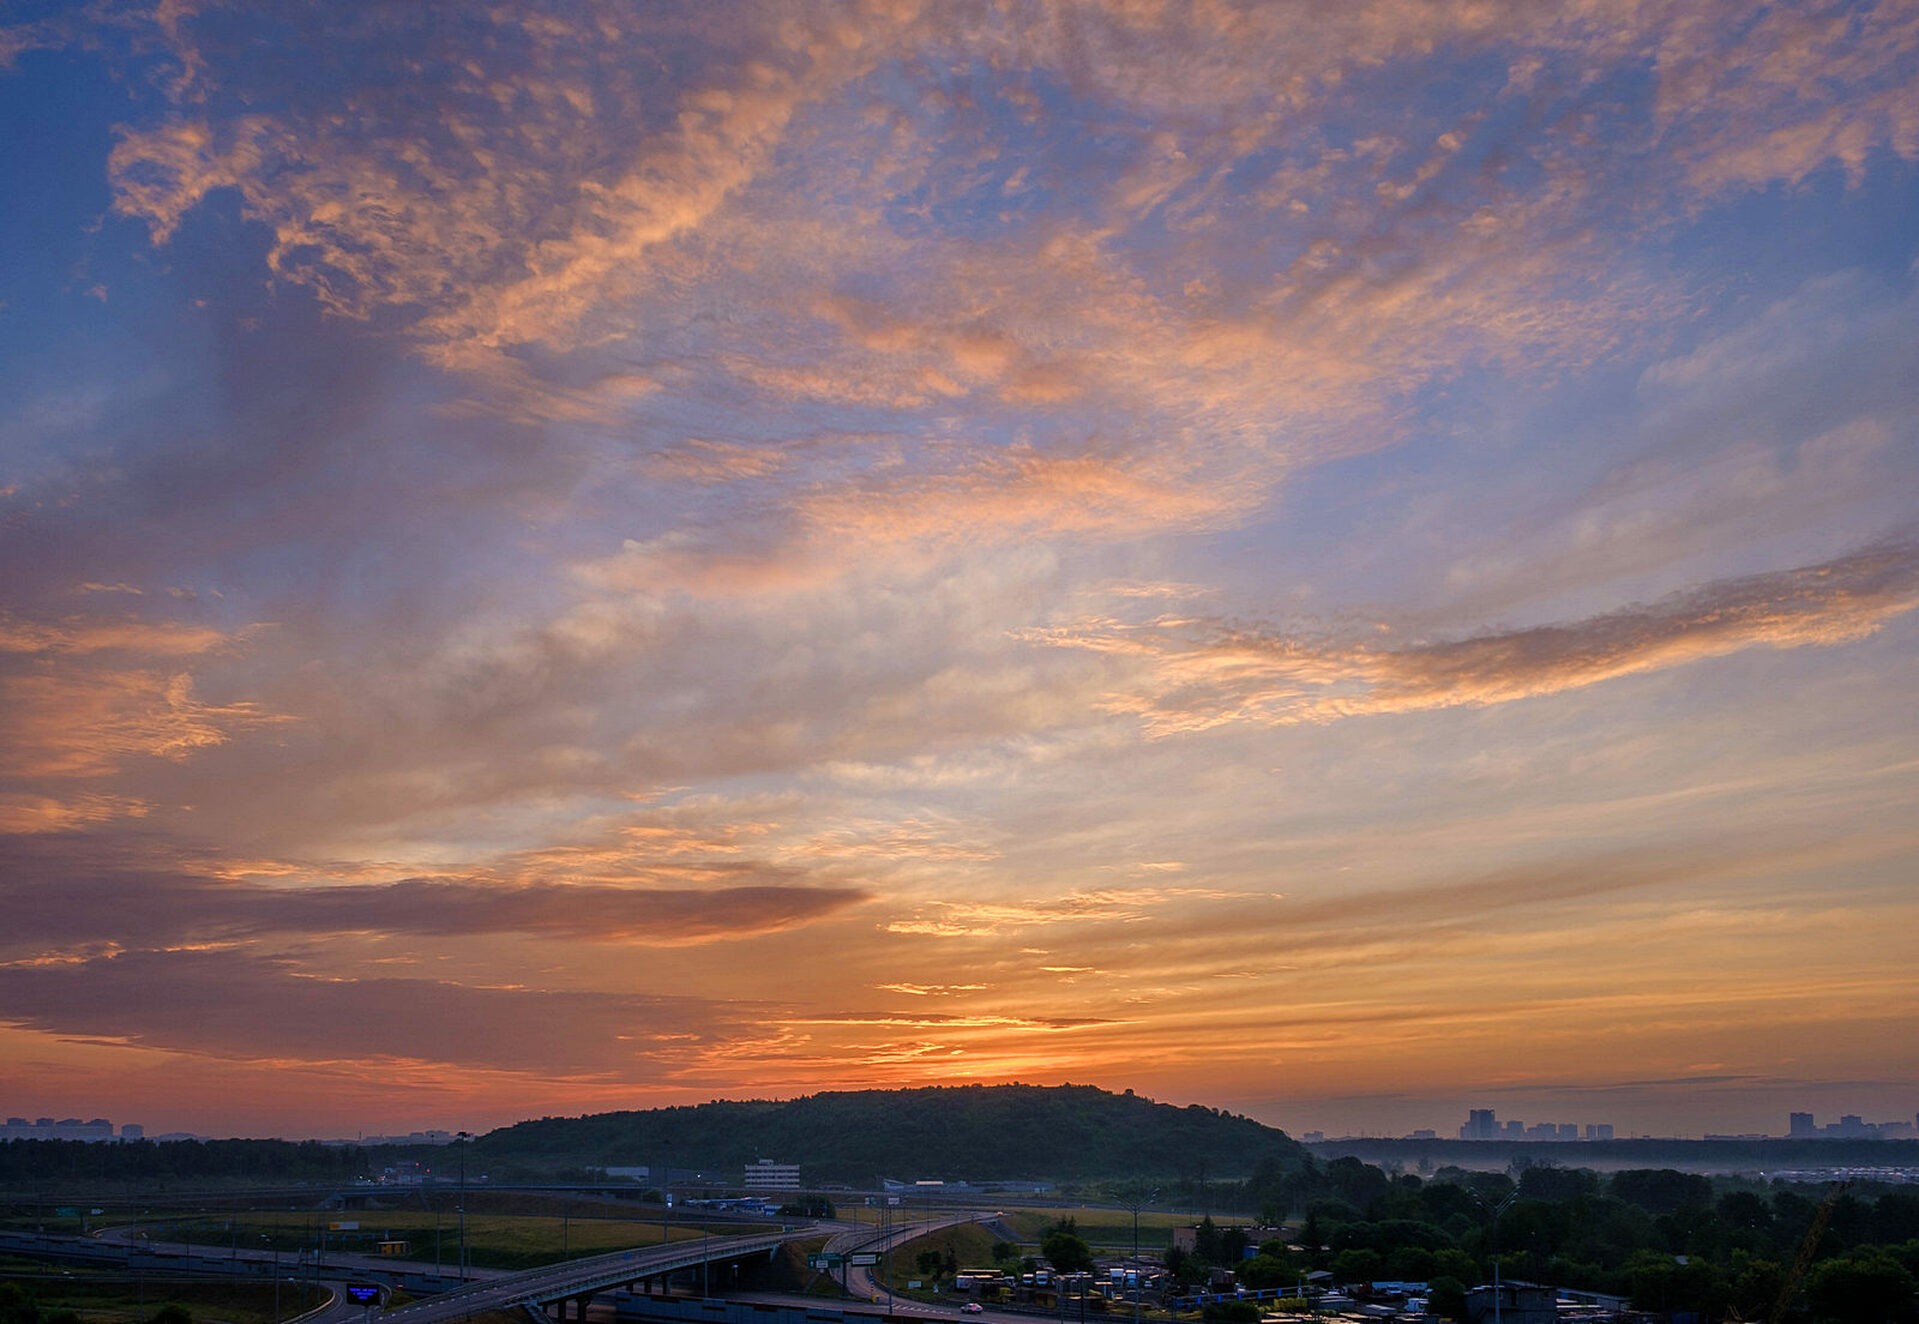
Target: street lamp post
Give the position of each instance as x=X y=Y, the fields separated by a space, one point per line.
x=1139 y=1196
x=1495 y=1211
x=666 y=1197
x=275 y=1248
x=464 y=1136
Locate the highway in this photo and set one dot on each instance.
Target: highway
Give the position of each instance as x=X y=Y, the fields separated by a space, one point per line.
x=861 y=1284
x=576 y=1278
x=535 y=1288
x=555 y=1282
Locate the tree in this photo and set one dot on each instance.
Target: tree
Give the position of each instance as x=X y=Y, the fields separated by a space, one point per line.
x=1545 y=1182
x=1412 y=1264
x=1755 y=1285
x=1668 y=1283
x=1864 y=1288
x=1312 y=1238
x=1357 y=1183
x=1357 y=1266
x=1206 y=1248
x=1662 y=1190
x=1065 y=1249
x=1446 y=1296
x=1232 y=1245
x=1264 y=1271
x=17 y=1305
x=1186 y=1270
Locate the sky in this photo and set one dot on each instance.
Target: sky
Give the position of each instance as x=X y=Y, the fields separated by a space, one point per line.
x=1340 y=562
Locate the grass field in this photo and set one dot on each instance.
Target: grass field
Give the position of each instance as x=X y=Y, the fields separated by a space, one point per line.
x=496 y=1241
x=103 y=1299
x=1106 y=1230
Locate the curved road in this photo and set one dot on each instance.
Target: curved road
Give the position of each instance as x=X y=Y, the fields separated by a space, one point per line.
x=859 y=1280
x=582 y=1277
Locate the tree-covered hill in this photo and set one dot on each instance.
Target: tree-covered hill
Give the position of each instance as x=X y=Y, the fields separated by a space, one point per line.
x=968 y=1132
x=155 y=1165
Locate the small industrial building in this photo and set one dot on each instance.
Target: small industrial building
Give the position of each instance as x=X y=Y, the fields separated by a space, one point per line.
x=767 y=1175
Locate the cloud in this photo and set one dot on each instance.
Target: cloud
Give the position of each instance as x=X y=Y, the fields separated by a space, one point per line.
x=767 y=475
x=1799 y=88
x=229 y=1004
x=635 y=916
x=705 y=462
x=930 y=990
x=518 y=219
x=1142 y=352
x=80 y=892
x=96 y=722
x=954 y=919
x=83 y=635
x=1201 y=674
x=954 y=1022
x=22 y=812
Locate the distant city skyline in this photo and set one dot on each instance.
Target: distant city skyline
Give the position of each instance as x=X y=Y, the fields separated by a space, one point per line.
x=1344 y=562
x=1797 y=1124
x=1733 y=1122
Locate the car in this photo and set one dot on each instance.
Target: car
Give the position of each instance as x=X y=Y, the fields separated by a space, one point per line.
x=972 y=1308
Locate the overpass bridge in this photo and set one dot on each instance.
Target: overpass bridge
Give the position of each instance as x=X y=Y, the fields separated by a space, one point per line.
x=578 y=1281
x=575 y=1281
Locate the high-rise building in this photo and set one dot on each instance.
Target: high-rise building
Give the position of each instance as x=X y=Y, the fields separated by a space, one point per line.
x=1801 y=1127
x=1480 y=1125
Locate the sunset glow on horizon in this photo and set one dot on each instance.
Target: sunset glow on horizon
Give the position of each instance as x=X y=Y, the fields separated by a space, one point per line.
x=1339 y=562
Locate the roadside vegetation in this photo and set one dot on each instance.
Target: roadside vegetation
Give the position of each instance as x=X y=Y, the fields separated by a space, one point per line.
x=81 y=1298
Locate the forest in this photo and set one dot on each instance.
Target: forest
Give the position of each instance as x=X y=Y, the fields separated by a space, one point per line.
x=971 y=1132
x=155 y=1164
x=1675 y=1243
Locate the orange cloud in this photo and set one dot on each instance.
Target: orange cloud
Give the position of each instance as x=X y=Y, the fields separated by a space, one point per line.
x=83 y=635
x=27 y=813
x=949 y=919
x=228 y=1005
x=1203 y=674
x=75 y=891
x=1800 y=89
x=93 y=723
